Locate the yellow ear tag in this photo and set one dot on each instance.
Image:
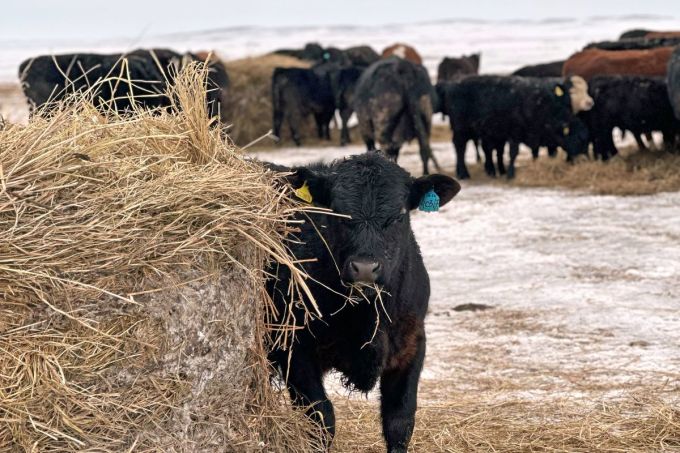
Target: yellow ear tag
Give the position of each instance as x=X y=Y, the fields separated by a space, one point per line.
x=558 y=91
x=565 y=131
x=303 y=193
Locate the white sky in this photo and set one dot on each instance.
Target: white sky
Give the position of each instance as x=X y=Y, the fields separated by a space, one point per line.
x=53 y=19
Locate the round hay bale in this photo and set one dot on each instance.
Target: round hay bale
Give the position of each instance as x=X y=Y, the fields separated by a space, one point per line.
x=250 y=100
x=132 y=306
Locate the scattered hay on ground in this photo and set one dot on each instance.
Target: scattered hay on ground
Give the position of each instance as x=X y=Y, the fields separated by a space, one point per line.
x=629 y=173
x=132 y=306
x=641 y=422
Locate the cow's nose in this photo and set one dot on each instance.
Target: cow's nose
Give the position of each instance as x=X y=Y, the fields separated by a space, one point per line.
x=364 y=271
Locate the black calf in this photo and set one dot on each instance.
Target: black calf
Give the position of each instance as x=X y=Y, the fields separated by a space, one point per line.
x=379 y=336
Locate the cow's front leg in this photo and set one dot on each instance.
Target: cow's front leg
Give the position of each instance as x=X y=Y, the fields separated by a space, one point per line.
x=399 y=395
x=305 y=385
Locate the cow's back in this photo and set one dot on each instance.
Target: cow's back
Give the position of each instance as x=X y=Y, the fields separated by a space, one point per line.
x=592 y=62
x=552 y=69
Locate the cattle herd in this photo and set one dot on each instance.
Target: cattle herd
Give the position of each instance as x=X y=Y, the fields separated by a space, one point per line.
x=632 y=84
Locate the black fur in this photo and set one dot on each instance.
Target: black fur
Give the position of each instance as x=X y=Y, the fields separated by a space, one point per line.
x=378 y=196
x=53 y=77
x=552 y=69
x=455 y=68
x=497 y=110
x=394 y=102
x=634 y=44
x=637 y=104
x=298 y=93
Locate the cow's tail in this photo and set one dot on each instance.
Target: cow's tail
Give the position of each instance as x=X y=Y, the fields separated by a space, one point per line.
x=421 y=129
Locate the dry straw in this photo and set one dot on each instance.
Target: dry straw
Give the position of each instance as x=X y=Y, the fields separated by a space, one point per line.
x=100 y=213
x=630 y=173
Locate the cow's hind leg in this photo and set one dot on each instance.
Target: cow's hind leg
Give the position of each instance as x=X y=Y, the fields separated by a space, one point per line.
x=640 y=143
x=488 y=159
x=500 y=151
x=514 y=151
x=398 y=400
x=459 y=143
x=344 y=119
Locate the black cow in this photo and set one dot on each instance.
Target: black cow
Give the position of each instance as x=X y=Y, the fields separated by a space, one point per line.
x=497 y=110
x=367 y=338
x=634 y=33
x=634 y=44
x=637 y=104
x=362 y=55
x=552 y=69
x=451 y=68
x=343 y=84
x=311 y=52
x=298 y=93
x=394 y=103
x=673 y=81
x=141 y=77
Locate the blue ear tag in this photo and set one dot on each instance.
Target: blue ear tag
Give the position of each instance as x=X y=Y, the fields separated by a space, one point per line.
x=326 y=56
x=429 y=202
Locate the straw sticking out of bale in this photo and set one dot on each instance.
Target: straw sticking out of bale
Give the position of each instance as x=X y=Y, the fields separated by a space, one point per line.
x=132 y=310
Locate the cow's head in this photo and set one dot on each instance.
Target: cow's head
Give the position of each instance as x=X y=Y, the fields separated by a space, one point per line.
x=377 y=196
x=578 y=93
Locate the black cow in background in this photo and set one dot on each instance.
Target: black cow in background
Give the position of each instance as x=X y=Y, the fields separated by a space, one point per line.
x=394 y=103
x=634 y=44
x=343 y=84
x=637 y=104
x=552 y=69
x=497 y=110
x=673 y=81
x=298 y=93
x=311 y=52
x=453 y=68
x=371 y=339
x=315 y=53
x=634 y=33
x=362 y=56
x=319 y=91
x=141 y=77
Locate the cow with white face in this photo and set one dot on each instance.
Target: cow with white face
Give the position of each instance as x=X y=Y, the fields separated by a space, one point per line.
x=578 y=93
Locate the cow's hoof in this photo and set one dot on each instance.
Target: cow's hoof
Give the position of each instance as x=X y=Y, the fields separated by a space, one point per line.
x=463 y=174
x=511 y=174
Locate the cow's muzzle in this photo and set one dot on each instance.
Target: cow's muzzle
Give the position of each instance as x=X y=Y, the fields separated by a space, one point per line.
x=360 y=270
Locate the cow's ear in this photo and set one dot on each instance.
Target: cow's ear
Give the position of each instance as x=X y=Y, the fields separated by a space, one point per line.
x=444 y=186
x=307 y=185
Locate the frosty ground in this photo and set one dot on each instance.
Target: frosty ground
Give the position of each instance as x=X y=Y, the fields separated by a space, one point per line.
x=584 y=290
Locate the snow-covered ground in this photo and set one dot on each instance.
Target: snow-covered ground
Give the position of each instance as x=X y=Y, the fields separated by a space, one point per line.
x=585 y=289
x=505 y=45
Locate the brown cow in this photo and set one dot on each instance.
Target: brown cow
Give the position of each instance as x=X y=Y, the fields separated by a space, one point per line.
x=402 y=51
x=592 y=62
x=662 y=34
